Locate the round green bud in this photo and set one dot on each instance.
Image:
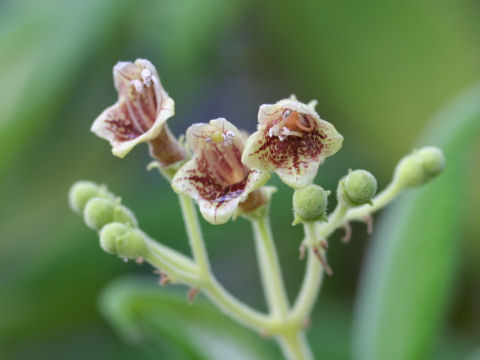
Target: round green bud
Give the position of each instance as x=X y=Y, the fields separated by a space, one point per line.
x=310 y=203
x=132 y=244
x=109 y=235
x=124 y=215
x=419 y=167
x=99 y=212
x=432 y=159
x=360 y=187
x=80 y=193
x=122 y=240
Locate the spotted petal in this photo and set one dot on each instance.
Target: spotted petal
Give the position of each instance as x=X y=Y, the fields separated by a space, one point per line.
x=215 y=177
x=294 y=145
x=142 y=108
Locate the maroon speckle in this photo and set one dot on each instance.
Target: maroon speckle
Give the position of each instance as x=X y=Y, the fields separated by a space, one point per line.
x=122 y=131
x=208 y=187
x=287 y=153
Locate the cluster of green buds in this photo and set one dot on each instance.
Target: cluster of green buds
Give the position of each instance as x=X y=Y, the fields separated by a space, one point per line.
x=419 y=167
x=116 y=224
x=225 y=170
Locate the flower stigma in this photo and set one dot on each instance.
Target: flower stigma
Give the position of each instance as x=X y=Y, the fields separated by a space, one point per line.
x=291 y=123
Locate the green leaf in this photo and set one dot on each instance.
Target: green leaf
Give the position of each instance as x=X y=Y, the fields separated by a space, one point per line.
x=475 y=356
x=161 y=320
x=43 y=47
x=411 y=263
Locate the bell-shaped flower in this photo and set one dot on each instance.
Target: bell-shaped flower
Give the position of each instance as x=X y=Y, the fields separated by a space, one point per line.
x=140 y=113
x=291 y=140
x=215 y=176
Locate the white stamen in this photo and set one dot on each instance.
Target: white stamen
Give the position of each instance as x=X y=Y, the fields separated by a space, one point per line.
x=228 y=137
x=271 y=131
x=147 y=77
x=283 y=133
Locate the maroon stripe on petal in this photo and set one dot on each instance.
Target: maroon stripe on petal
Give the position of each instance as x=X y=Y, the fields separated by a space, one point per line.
x=119 y=123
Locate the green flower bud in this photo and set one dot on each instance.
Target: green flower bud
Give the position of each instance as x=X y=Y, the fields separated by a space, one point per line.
x=310 y=203
x=432 y=159
x=124 y=215
x=82 y=191
x=122 y=240
x=100 y=211
x=109 y=235
x=419 y=167
x=360 y=186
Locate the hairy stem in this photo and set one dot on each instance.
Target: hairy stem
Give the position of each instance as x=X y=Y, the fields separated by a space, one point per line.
x=311 y=283
x=234 y=308
x=166 y=253
x=207 y=281
x=294 y=346
x=194 y=233
x=382 y=199
x=314 y=233
x=270 y=271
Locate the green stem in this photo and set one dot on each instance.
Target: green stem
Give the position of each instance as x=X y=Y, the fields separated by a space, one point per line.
x=175 y=274
x=335 y=220
x=311 y=283
x=178 y=260
x=294 y=346
x=194 y=233
x=272 y=281
x=382 y=199
x=209 y=284
x=234 y=308
x=314 y=271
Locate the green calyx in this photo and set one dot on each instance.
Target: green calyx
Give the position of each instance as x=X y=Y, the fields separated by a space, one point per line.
x=310 y=204
x=101 y=211
x=357 y=188
x=419 y=167
x=123 y=240
x=82 y=191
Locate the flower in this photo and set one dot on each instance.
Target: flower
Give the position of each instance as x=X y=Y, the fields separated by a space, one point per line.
x=140 y=113
x=215 y=176
x=292 y=140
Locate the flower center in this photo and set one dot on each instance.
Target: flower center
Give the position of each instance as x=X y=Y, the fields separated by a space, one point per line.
x=292 y=123
x=223 y=155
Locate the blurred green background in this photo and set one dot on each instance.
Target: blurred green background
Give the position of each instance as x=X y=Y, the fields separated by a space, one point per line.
x=381 y=71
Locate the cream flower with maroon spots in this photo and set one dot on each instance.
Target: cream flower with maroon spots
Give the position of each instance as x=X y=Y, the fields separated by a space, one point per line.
x=291 y=140
x=216 y=177
x=140 y=113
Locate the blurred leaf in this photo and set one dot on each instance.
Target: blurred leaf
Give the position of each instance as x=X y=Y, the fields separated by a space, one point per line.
x=475 y=356
x=43 y=47
x=412 y=260
x=161 y=320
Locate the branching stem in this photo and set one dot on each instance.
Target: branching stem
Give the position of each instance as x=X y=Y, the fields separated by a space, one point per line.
x=283 y=322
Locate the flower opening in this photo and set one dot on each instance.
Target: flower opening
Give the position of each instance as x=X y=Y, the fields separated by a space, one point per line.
x=292 y=140
x=140 y=113
x=216 y=177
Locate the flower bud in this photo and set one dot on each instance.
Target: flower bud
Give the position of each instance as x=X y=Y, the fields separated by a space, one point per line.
x=360 y=187
x=100 y=211
x=419 y=167
x=432 y=159
x=82 y=191
x=310 y=203
x=122 y=240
